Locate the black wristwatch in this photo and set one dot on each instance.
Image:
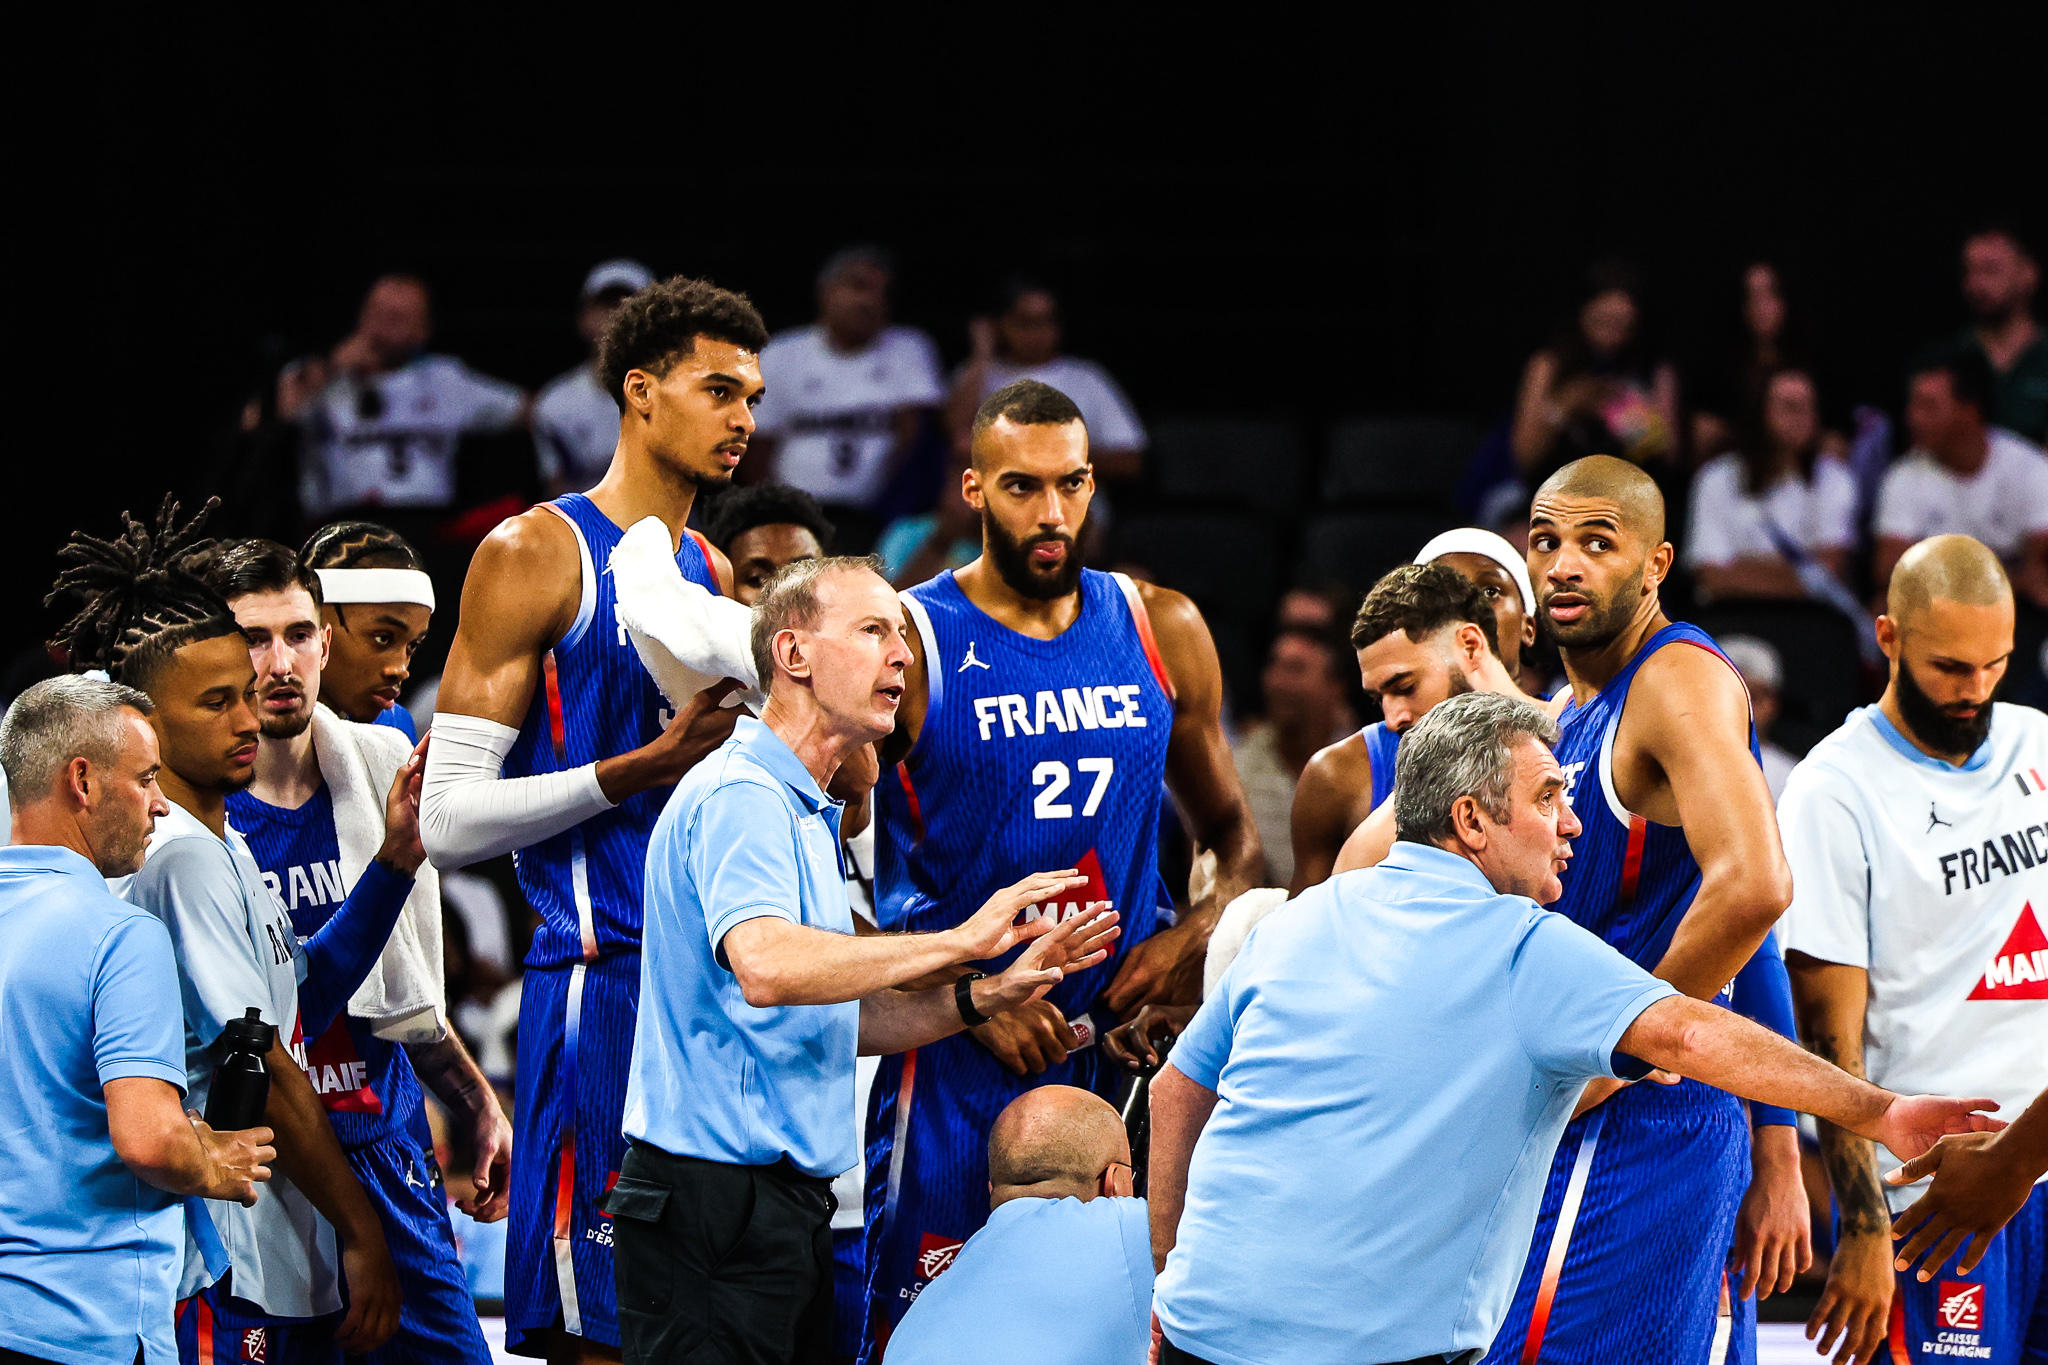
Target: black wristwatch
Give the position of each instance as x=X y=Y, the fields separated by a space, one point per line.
x=963 y=1000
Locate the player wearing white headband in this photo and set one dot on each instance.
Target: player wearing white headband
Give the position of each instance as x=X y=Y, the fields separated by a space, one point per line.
x=377 y=602
x=1344 y=782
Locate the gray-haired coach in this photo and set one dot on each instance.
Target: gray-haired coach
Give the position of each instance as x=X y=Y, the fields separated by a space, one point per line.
x=1387 y=1066
x=755 y=994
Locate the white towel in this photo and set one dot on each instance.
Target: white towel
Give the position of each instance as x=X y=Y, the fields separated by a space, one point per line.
x=688 y=638
x=404 y=998
x=1233 y=926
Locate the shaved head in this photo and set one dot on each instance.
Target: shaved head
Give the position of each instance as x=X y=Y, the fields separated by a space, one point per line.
x=1603 y=478
x=1946 y=569
x=1054 y=1141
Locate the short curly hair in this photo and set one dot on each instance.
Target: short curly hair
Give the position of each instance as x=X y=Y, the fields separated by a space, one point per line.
x=1422 y=599
x=660 y=325
x=766 y=504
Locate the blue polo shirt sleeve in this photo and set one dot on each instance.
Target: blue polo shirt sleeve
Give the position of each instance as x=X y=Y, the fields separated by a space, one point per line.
x=745 y=857
x=1572 y=996
x=1204 y=1045
x=193 y=887
x=137 y=1029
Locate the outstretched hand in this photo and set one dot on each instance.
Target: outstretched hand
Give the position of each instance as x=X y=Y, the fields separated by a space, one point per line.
x=1974 y=1194
x=993 y=931
x=1913 y=1123
x=1074 y=946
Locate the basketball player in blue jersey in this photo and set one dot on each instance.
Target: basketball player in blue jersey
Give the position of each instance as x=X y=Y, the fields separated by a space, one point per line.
x=1047 y=710
x=1679 y=867
x=316 y=776
x=1347 y=781
x=552 y=740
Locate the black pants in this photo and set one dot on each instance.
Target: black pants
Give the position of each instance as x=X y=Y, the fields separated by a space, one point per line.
x=1171 y=1354
x=719 y=1264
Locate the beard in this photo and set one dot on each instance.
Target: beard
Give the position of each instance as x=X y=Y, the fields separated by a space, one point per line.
x=1012 y=559
x=1604 y=621
x=287 y=727
x=1459 y=683
x=1934 y=724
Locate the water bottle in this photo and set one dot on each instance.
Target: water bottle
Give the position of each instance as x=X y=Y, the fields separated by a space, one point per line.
x=241 y=1083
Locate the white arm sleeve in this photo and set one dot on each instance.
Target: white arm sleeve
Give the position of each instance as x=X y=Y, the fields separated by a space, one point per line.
x=469 y=811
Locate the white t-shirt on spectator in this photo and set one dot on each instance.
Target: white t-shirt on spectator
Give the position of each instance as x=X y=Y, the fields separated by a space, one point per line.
x=1931 y=878
x=2002 y=504
x=404 y=456
x=834 y=412
x=575 y=428
x=1112 y=423
x=1728 y=523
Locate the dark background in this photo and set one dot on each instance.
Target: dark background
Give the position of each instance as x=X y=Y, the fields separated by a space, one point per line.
x=1315 y=213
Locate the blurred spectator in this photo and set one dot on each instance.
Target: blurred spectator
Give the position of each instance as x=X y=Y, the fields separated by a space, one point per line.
x=915 y=548
x=1595 y=389
x=483 y=1002
x=1317 y=609
x=2000 y=276
x=575 y=422
x=1966 y=477
x=382 y=417
x=1729 y=386
x=1022 y=341
x=761 y=528
x=1761 y=516
x=1306 y=709
x=1763 y=673
x=846 y=395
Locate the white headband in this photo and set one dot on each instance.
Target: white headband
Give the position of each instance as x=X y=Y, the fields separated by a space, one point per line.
x=339 y=587
x=1472 y=540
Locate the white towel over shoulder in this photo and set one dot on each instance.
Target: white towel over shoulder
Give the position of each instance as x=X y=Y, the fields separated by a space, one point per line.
x=688 y=638
x=404 y=998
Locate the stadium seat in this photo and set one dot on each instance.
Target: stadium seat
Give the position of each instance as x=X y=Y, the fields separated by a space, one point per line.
x=1225 y=563
x=1244 y=462
x=1414 y=460
x=1824 y=677
x=1355 y=548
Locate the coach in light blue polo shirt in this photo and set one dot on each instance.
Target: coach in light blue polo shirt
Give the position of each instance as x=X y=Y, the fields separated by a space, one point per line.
x=755 y=993
x=1391 y=1060
x=94 y=1143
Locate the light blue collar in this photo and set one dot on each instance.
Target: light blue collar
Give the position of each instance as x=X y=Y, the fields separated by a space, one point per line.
x=767 y=748
x=46 y=858
x=1908 y=749
x=1407 y=856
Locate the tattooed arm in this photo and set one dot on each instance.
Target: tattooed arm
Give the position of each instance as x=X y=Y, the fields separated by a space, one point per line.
x=1855 y=1305
x=447 y=1069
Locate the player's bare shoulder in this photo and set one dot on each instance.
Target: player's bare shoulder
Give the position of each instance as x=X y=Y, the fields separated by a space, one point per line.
x=1186 y=648
x=526 y=577
x=1686 y=705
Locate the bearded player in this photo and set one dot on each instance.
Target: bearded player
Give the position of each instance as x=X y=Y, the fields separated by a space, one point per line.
x=1680 y=869
x=1047 y=708
x=1917 y=834
x=1347 y=781
x=551 y=739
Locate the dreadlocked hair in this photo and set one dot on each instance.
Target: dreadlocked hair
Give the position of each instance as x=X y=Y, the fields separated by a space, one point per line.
x=145 y=595
x=358 y=545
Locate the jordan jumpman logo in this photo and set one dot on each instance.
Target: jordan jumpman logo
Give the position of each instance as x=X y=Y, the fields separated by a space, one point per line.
x=970 y=661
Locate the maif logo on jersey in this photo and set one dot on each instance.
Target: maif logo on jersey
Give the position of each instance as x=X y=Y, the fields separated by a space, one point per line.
x=2020 y=971
x=1084 y=900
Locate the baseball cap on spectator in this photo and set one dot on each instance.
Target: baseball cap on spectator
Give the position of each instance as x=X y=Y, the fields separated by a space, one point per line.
x=620 y=276
x=1756 y=660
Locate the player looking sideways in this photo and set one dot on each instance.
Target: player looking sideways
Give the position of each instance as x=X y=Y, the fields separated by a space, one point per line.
x=1915 y=833
x=1348 y=780
x=1047 y=707
x=1679 y=868
x=377 y=602
x=551 y=739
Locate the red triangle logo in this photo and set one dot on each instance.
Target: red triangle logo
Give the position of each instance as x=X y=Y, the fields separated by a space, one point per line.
x=2020 y=971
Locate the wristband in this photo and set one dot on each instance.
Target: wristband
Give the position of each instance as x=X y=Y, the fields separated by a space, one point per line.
x=963 y=1000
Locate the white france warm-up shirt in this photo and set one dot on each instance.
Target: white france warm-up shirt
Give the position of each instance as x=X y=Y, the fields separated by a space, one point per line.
x=1934 y=879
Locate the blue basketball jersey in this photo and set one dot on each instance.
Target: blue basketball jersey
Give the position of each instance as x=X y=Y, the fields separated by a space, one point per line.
x=1035 y=755
x=366 y=1084
x=595 y=700
x=1382 y=747
x=1629 y=881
